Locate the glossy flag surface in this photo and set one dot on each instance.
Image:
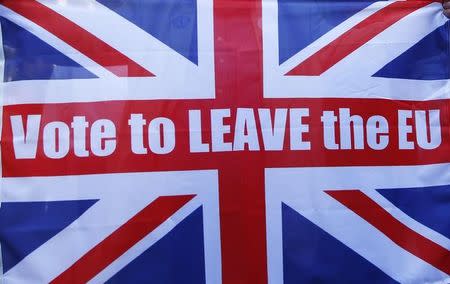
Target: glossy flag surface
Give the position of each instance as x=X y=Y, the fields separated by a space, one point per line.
x=222 y=141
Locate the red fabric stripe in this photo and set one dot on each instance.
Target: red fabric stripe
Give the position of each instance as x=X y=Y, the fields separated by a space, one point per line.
x=116 y=244
x=400 y=234
x=239 y=82
x=80 y=39
x=242 y=222
x=182 y=159
x=356 y=37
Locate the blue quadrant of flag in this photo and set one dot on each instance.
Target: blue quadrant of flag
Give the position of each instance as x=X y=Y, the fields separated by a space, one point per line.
x=173 y=22
x=311 y=255
x=427 y=205
x=176 y=258
x=302 y=22
x=25 y=226
x=428 y=59
x=27 y=57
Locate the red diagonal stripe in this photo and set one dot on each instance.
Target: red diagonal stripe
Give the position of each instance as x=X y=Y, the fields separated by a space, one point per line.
x=121 y=240
x=356 y=37
x=77 y=37
x=400 y=234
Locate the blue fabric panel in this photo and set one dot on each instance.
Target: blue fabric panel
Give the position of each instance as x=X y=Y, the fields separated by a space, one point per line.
x=428 y=205
x=29 y=58
x=25 y=226
x=301 y=22
x=311 y=255
x=173 y=22
x=427 y=60
x=176 y=258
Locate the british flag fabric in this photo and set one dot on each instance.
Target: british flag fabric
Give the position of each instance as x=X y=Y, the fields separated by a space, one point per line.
x=224 y=141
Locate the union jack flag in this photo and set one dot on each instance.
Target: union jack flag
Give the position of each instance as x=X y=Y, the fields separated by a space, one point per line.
x=352 y=216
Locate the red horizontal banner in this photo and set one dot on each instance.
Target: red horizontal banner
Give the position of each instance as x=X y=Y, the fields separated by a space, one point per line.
x=135 y=136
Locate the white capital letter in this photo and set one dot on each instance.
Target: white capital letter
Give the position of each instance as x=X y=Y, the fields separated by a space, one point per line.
x=404 y=129
x=434 y=124
x=273 y=133
x=25 y=141
x=245 y=130
x=298 y=128
x=195 y=133
x=218 y=130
